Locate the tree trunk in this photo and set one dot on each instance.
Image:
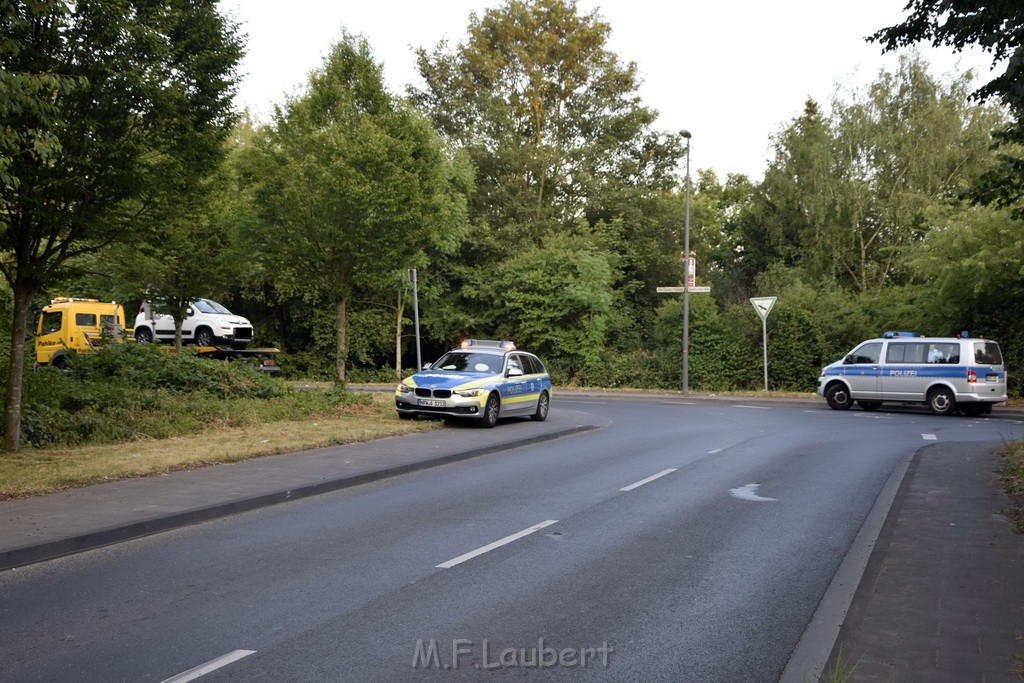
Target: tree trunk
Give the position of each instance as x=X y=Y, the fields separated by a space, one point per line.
x=398 y=335
x=340 y=327
x=16 y=370
x=177 y=334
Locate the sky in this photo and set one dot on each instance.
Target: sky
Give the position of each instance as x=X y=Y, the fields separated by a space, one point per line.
x=733 y=73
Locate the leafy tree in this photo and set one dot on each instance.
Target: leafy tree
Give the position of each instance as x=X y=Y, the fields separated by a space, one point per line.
x=552 y=122
x=352 y=186
x=996 y=26
x=846 y=197
x=555 y=300
x=111 y=111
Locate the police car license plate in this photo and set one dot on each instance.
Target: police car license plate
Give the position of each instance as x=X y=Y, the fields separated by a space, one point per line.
x=431 y=403
x=992 y=377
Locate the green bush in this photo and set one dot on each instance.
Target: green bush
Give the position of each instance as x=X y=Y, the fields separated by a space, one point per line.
x=131 y=391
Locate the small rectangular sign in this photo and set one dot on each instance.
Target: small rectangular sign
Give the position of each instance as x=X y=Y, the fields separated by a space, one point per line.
x=679 y=290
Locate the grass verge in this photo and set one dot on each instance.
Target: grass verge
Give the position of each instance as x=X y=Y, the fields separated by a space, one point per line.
x=35 y=471
x=1012 y=475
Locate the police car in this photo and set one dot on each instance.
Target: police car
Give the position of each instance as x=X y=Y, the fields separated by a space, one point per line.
x=948 y=374
x=483 y=379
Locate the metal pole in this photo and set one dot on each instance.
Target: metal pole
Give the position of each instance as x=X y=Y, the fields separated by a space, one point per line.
x=764 y=336
x=686 y=275
x=416 y=316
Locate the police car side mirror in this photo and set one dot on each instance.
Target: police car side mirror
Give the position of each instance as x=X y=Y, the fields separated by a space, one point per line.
x=426 y=366
x=514 y=372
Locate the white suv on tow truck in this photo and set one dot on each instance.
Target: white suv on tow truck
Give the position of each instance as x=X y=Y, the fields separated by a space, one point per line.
x=206 y=324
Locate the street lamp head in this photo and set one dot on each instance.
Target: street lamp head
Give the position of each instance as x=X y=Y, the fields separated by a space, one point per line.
x=685 y=134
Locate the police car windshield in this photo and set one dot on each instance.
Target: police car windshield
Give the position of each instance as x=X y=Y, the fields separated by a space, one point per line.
x=464 y=361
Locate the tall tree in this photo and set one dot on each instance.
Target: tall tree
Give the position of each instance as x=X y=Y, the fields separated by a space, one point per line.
x=548 y=114
x=996 y=26
x=554 y=125
x=846 y=197
x=111 y=112
x=352 y=186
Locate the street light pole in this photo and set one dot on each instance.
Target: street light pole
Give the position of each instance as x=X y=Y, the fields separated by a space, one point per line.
x=686 y=275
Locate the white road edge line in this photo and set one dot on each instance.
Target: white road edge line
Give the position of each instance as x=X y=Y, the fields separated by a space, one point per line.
x=648 y=479
x=497 y=544
x=717 y=450
x=752 y=407
x=211 y=665
x=929 y=437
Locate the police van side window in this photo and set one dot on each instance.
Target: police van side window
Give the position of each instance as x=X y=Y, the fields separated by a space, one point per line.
x=907 y=353
x=865 y=354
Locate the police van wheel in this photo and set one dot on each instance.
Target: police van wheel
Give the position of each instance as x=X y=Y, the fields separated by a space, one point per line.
x=490 y=417
x=838 y=397
x=869 y=405
x=941 y=401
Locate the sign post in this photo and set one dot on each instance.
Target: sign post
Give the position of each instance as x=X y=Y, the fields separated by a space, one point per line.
x=686 y=290
x=411 y=273
x=763 y=306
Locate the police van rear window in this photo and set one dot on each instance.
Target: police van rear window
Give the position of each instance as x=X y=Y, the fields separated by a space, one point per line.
x=987 y=353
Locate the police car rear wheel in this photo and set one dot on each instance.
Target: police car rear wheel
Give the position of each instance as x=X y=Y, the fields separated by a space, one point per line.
x=941 y=401
x=490 y=417
x=543 y=406
x=838 y=397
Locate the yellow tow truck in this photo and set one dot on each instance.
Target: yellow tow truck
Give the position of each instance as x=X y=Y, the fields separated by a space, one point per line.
x=68 y=326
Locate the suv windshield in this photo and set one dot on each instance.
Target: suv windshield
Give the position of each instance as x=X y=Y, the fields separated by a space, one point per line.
x=463 y=361
x=207 y=306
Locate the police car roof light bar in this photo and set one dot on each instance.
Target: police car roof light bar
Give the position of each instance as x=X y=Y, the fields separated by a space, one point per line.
x=490 y=343
x=889 y=334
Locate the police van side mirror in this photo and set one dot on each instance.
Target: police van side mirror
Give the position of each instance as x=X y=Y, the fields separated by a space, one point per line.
x=849 y=360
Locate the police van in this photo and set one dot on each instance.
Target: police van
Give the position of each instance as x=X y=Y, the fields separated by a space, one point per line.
x=948 y=374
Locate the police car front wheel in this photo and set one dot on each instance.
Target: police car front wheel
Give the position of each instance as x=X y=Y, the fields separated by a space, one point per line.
x=491 y=408
x=543 y=406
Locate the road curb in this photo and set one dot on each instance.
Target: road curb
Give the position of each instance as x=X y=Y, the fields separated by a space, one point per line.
x=31 y=554
x=809 y=658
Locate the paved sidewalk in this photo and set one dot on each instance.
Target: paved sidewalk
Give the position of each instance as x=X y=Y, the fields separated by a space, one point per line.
x=45 y=527
x=942 y=596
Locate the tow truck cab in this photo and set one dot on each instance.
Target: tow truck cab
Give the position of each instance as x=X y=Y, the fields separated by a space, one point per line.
x=69 y=325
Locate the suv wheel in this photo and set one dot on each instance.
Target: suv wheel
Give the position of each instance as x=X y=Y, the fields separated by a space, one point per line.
x=204 y=337
x=143 y=335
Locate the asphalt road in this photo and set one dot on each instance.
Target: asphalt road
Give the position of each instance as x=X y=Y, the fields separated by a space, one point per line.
x=680 y=542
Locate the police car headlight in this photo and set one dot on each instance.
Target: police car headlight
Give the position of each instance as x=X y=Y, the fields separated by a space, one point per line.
x=404 y=388
x=468 y=393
